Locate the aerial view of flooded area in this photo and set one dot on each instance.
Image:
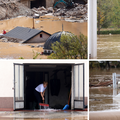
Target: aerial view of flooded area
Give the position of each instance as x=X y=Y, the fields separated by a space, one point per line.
x=28 y=31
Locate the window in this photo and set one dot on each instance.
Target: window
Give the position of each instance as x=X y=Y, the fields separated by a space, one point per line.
x=41 y=35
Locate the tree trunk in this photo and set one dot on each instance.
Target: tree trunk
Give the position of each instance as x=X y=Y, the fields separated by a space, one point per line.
x=99 y=18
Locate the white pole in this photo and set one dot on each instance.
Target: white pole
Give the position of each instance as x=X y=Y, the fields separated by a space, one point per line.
x=114 y=85
x=114 y=81
x=92 y=28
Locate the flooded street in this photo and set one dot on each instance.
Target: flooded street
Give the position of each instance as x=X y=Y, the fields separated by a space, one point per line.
x=101 y=98
x=108 y=47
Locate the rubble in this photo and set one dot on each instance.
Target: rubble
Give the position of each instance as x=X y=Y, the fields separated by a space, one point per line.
x=8 y=39
x=12 y=9
x=79 y=11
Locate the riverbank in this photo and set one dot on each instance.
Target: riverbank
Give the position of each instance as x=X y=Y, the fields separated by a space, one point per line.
x=104 y=115
x=109 y=32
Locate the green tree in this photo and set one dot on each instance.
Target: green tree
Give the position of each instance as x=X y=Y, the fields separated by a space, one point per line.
x=108 y=14
x=116 y=14
x=70 y=47
x=104 y=13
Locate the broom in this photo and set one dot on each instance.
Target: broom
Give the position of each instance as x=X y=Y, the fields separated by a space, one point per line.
x=66 y=107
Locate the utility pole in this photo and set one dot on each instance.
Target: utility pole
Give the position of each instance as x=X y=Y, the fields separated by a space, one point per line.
x=33 y=23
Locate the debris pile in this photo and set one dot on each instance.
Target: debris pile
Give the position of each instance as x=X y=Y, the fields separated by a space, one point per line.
x=12 y=9
x=79 y=11
x=8 y=39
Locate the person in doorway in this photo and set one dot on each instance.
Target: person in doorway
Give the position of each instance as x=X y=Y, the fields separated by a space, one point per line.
x=39 y=92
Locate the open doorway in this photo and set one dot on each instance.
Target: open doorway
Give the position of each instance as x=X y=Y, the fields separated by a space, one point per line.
x=80 y=1
x=59 y=84
x=61 y=79
x=38 y=3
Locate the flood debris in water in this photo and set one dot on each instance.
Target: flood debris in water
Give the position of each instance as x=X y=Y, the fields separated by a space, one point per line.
x=8 y=39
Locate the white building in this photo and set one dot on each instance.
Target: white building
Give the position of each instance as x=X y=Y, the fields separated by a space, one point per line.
x=18 y=79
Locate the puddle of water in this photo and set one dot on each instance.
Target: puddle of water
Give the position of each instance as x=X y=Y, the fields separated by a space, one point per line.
x=108 y=47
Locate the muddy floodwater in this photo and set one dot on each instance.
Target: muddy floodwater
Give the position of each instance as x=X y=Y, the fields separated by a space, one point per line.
x=49 y=24
x=108 y=47
x=101 y=98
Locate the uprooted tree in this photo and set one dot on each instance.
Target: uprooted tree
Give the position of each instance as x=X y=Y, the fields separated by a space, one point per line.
x=70 y=47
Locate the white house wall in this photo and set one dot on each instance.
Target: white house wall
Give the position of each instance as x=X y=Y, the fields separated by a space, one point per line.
x=37 y=38
x=6 y=84
x=7 y=77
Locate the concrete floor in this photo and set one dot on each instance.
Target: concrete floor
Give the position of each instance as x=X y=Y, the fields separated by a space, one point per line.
x=44 y=115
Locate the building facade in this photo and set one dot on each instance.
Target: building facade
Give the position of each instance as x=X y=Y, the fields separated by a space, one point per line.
x=18 y=81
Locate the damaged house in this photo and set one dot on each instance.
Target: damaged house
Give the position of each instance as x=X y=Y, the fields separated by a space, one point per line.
x=37 y=3
x=28 y=35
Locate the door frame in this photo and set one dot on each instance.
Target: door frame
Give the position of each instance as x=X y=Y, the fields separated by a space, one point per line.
x=73 y=89
x=72 y=79
x=14 y=100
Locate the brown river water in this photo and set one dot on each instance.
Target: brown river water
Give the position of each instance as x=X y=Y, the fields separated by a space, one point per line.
x=49 y=24
x=108 y=47
x=101 y=98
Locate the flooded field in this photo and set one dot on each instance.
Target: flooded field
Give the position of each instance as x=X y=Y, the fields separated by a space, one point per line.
x=49 y=24
x=101 y=98
x=108 y=47
x=16 y=50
